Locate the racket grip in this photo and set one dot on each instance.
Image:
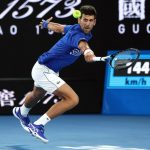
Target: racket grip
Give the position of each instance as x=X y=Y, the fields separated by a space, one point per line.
x=97 y=58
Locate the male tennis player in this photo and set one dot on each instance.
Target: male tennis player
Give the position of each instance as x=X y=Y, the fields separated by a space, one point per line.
x=66 y=51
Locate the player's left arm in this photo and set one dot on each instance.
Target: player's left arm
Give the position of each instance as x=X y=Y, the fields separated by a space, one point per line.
x=56 y=27
x=87 y=52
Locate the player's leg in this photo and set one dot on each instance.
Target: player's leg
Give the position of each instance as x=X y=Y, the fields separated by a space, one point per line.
x=69 y=100
x=34 y=96
x=48 y=80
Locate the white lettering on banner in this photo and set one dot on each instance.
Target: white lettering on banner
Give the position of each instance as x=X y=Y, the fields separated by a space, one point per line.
x=7 y=98
x=148 y=28
x=26 y=9
x=46 y=99
x=50 y=7
x=26 y=6
x=50 y=32
x=1 y=31
x=10 y=6
x=134 y=28
x=38 y=30
x=49 y=98
x=131 y=9
x=69 y=6
x=13 y=30
x=121 y=29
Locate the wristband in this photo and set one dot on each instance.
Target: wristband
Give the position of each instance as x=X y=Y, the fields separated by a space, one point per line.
x=88 y=51
x=45 y=24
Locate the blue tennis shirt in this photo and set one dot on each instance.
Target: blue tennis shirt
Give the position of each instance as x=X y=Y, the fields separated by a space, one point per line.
x=65 y=51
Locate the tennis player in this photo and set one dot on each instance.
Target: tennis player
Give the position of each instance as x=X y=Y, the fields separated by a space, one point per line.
x=45 y=72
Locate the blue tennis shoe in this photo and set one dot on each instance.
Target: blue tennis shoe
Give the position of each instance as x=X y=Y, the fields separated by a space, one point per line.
x=24 y=121
x=37 y=131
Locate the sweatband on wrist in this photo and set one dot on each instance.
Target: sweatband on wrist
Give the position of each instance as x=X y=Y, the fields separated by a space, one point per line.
x=45 y=24
x=88 y=51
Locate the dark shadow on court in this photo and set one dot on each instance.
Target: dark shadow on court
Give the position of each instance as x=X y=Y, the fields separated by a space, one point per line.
x=16 y=147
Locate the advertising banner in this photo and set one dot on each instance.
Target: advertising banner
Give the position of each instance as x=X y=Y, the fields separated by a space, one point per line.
x=127 y=91
x=120 y=24
x=13 y=92
x=22 y=42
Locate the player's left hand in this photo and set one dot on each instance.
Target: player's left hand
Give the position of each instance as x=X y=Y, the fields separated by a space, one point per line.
x=44 y=23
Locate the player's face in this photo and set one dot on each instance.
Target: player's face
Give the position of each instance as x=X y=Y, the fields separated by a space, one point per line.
x=87 y=22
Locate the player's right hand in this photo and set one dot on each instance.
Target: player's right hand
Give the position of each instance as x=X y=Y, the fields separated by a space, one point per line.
x=89 y=57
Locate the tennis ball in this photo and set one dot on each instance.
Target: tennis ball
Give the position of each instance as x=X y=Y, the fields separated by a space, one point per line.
x=76 y=14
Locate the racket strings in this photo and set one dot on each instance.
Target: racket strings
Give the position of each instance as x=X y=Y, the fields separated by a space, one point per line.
x=124 y=59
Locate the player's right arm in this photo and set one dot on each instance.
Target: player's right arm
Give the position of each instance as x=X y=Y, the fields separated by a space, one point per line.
x=87 y=52
x=56 y=27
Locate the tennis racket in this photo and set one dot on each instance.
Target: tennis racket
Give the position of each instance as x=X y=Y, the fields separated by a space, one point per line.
x=121 y=59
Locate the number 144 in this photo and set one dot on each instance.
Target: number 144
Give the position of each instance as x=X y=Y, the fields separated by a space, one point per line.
x=139 y=67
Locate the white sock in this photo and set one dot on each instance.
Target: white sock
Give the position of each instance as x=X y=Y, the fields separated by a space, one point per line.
x=24 y=110
x=42 y=120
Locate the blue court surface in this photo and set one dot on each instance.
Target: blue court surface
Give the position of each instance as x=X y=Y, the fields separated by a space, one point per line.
x=80 y=132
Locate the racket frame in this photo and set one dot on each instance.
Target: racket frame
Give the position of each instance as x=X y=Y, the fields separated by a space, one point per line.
x=110 y=58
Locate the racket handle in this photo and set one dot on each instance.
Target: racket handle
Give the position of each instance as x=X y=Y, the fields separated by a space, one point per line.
x=100 y=58
x=97 y=58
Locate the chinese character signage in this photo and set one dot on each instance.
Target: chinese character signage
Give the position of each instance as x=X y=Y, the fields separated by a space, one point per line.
x=131 y=9
x=7 y=98
x=133 y=16
x=13 y=93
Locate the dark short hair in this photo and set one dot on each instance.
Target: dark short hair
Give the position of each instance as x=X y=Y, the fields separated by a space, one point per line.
x=88 y=10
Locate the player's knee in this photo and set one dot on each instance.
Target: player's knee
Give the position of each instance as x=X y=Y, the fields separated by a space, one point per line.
x=75 y=100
